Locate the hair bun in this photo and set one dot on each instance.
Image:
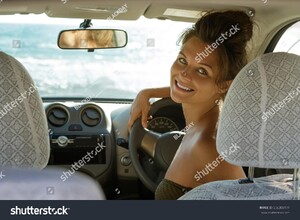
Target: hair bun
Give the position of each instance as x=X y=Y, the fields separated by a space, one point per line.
x=244 y=21
x=236 y=25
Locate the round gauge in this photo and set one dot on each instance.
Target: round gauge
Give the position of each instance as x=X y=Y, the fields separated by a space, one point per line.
x=162 y=125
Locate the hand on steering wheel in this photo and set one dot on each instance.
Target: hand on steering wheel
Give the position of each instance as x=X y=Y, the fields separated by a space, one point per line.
x=160 y=147
x=140 y=107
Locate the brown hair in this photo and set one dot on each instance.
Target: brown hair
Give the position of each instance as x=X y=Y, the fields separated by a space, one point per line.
x=232 y=51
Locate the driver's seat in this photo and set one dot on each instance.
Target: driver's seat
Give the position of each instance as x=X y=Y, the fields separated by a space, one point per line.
x=261 y=115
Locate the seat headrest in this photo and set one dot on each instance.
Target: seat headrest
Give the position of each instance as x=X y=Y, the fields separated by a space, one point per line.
x=260 y=120
x=24 y=139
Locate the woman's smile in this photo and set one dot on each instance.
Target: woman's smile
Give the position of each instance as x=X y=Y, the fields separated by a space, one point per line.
x=181 y=87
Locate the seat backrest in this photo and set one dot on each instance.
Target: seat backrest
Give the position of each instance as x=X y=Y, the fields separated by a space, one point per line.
x=25 y=146
x=24 y=139
x=46 y=184
x=261 y=114
x=259 y=127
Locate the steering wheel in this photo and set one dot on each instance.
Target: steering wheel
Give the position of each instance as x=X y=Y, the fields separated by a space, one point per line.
x=160 y=147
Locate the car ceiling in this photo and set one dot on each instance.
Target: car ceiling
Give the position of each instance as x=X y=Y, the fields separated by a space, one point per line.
x=270 y=15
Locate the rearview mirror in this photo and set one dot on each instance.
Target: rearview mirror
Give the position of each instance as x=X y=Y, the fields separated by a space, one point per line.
x=92 y=39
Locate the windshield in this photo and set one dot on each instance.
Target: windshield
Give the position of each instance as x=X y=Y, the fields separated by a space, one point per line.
x=106 y=73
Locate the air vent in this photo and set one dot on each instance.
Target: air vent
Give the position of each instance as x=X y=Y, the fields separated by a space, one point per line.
x=91 y=116
x=57 y=116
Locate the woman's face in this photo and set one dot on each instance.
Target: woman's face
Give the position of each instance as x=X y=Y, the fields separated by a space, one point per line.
x=193 y=82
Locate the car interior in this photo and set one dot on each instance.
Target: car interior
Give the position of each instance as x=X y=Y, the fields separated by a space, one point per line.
x=70 y=69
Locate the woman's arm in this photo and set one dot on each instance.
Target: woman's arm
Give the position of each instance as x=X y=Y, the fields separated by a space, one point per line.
x=141 y=104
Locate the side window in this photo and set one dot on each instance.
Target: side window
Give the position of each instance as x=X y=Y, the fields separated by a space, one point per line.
x=290 y=40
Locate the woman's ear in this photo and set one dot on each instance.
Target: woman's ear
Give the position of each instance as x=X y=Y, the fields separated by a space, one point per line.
x=225 y=86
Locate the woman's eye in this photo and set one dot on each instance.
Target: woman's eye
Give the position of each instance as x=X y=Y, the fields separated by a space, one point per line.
x=202 y=71
x=182 y=60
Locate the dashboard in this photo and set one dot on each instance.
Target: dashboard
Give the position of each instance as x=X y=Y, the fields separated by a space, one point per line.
x=76 y=129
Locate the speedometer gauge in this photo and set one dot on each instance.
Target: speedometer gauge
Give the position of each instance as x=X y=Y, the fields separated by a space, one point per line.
x=162 y=125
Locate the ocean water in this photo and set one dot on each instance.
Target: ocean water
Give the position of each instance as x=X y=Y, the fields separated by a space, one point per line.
x=106 y=73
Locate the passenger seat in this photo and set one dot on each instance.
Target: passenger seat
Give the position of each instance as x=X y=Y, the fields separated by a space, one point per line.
x=25 y=147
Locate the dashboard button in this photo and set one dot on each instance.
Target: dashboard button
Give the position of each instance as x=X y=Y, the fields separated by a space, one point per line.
x=125 y=160
x=75 y=127
x=62 y=141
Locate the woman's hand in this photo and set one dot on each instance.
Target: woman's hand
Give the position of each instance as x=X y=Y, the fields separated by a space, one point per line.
x=140 y=107
x=141 y=104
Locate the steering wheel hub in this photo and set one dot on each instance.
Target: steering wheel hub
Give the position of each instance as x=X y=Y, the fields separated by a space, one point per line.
x=166 y=147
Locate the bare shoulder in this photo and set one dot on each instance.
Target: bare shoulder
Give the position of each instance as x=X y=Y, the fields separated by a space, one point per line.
x=205 y=148
x=212 y=166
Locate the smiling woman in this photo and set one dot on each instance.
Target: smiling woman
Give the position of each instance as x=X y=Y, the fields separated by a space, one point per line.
x=199 y=85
